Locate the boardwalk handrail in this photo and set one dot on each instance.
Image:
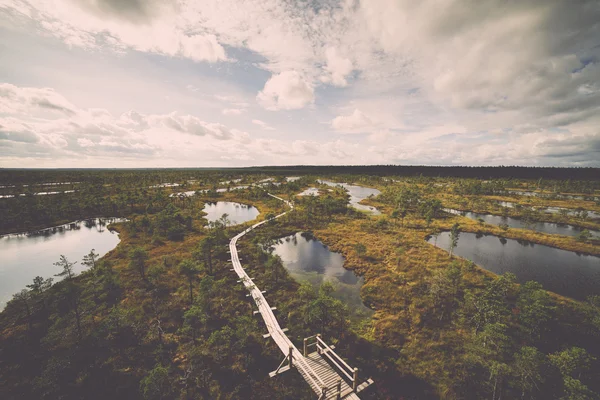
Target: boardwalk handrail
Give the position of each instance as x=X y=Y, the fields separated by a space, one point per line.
x=331 y=351
x=277 y=334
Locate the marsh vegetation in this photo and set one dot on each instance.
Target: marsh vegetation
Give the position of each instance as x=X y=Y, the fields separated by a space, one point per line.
x=162 y=316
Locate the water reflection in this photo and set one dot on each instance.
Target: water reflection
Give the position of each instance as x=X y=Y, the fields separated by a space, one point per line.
x=307 y=259
x=545 y=227
x=237 y=213
x=29 y=254
x=561 y=271
x=357 y=193
x=310 y=192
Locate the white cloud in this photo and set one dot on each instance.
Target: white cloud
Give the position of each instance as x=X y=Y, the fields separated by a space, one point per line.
x=232 y=111
x=15 y=99
x=356 y=122
x=262 y=124
x=286 y=91
x=338 y=68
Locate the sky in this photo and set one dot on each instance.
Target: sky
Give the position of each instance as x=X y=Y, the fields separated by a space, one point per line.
x=223 y=83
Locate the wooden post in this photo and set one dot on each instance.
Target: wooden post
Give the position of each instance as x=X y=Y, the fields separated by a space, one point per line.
x=305 y=340
x=318 y=337
x=290 y=357
x=339 y=389
x=355 y=380
x=324 y=391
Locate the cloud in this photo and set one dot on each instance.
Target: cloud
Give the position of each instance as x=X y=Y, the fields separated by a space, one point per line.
x=356 y=122
x=286 y=91
x=15 y=99
x=262 y=124
x=514 y=82
x=14 y=131
x=148 y=26
x=338 y=68
x=232 y=111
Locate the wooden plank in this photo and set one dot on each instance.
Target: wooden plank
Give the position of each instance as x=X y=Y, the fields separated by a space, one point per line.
x=364 y=385
x=281 y=371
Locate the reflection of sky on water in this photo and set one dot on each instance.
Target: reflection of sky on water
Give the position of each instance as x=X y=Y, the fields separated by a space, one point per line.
x=357 y=193
x=307 y=259
x=561 y=271
x=237 y=213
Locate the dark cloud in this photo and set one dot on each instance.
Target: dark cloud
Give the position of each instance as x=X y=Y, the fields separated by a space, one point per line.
x=137 y=11
x=23 y=136
x=47 y=104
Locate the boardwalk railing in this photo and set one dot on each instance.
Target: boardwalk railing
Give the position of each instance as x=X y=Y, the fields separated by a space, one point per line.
x=327 y=351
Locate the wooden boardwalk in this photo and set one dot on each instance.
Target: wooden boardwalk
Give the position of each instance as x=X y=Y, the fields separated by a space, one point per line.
x=321 y=377
x=329 y=376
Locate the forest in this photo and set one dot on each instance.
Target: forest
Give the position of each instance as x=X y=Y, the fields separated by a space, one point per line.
x=162 y=316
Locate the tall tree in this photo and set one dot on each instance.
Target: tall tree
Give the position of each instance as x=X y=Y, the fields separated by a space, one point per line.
x=156 y=385
x=68 y=271
x=71 y=289
x=189 y=269
x=137 y=260
x=454 y=236
x=22 y=298
x=535 y=309
x=527 y=369
x=90 y=260
x=204 y=252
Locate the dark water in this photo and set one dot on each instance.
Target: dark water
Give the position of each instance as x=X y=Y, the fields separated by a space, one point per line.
x=545 y=227
x=25 y=256
x=307 y=259
x=357 y=193
x=560 y=271
x=237 y=213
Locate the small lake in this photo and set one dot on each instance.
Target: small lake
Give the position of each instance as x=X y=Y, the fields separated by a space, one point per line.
x=237 y=213
x=529 y=193
x=560 y=271
x=307 y=259
x=545 y=227
x=25 y=256
x=554 y=210
x=309 y=192
x=357 y=193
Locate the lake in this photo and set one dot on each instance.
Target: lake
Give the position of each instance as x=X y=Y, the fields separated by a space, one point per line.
x=237 y=213
x=25 y=256
x=560 y=271
x=307 y=259
x=545 y=227
x=357 y=193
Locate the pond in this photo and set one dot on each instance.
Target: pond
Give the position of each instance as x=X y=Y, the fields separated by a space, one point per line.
x=236 y=212
x=27 y=255
x=357 y=193
x=560 y=271
x=545 y=227
x=307 y=259
x=555 y=210
x=309 y=192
